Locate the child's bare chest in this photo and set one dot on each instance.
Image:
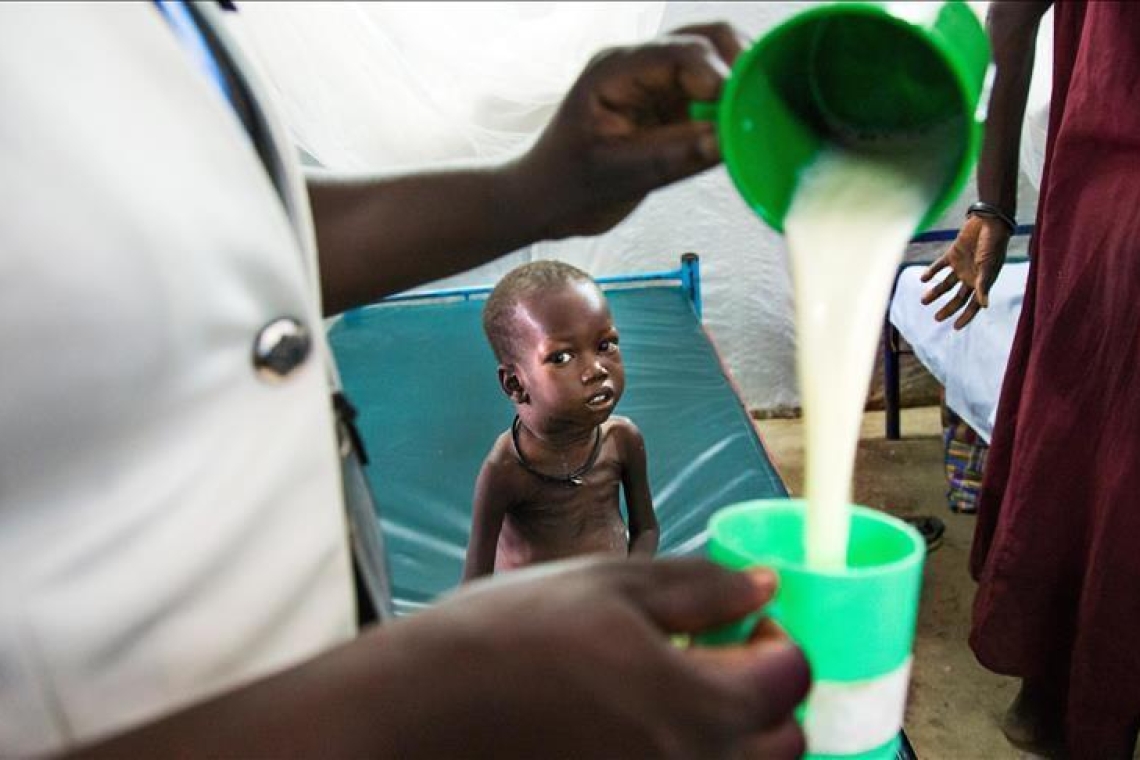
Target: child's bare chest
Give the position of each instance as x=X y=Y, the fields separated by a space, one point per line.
x=565 y=507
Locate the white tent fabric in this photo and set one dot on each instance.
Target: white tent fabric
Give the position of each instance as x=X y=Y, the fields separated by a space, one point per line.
x=388 y=86
x=1036 y=124
x=396 y=84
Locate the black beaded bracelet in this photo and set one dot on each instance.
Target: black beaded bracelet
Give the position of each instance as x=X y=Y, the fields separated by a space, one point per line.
x=981 y=208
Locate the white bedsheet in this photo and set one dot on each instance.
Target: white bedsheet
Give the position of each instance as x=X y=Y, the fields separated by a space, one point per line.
x=969 y=363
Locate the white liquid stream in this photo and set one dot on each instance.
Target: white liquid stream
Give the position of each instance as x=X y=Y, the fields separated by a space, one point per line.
x=847 y=229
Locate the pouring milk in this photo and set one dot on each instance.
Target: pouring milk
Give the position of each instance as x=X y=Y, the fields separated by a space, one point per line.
x=847 y=228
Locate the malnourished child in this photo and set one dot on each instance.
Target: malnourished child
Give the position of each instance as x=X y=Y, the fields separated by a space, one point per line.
x=550 y=486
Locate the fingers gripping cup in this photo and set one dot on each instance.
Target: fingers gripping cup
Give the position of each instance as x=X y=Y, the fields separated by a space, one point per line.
x=867 y=76
x=855 y=624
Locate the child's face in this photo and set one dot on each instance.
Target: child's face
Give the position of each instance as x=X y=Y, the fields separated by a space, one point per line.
x=569 y=364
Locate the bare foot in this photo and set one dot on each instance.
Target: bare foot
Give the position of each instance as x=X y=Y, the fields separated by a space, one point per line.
x=1033 y=722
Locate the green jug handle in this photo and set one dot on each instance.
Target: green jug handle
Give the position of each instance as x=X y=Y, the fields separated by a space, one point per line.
x=704 y=110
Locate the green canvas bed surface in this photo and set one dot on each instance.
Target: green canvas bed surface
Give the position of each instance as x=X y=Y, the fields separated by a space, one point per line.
x=424 y=383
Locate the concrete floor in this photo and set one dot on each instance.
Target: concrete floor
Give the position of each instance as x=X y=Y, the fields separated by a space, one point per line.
x=955 y=704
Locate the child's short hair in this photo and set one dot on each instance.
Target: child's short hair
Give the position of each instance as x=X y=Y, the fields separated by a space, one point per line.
x=520 y=283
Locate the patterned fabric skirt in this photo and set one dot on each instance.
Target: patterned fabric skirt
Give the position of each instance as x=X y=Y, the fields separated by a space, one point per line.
x=965 y=461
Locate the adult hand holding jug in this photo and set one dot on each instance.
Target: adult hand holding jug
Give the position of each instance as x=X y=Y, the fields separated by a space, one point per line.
x=861 y=75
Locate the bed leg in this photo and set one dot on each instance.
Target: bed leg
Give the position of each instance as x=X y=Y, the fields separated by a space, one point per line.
x=691 y=280
x=891 y=380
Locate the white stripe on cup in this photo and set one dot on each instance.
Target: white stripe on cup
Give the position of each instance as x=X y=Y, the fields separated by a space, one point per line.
x=849 y=717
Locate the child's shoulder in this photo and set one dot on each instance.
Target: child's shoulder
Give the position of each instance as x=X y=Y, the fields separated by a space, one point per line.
x=501 y=470
x=618 y=422
x=502 y=451
x=622 y=428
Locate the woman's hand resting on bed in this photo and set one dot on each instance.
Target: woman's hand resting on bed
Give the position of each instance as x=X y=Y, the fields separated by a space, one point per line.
x=974 y=259
x=623 y=129
x=574 y=659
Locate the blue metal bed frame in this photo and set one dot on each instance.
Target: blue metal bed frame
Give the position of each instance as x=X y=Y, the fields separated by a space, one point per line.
x=688 y=273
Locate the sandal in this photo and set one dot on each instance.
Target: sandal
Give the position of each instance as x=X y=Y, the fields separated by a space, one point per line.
x=931 y=529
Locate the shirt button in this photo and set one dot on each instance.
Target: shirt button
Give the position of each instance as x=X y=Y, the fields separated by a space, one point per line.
x=280 y=347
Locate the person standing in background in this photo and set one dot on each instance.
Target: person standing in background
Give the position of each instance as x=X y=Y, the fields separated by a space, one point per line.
x=1054 y=549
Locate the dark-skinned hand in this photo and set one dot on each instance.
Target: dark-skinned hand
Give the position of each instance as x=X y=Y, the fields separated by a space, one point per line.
x=623 y=129
x=575 y=660
x=974 y=259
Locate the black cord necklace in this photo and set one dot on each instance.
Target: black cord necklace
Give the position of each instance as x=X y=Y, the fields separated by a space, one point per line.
x=570 y=479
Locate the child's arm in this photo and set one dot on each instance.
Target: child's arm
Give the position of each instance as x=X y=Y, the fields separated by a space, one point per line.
x=488 y=510
x=644 y=533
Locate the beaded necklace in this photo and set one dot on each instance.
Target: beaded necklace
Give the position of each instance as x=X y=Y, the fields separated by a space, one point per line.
x=570 y=479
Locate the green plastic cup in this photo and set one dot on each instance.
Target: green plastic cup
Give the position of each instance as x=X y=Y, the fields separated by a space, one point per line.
x=859 y=75
x=855 y=625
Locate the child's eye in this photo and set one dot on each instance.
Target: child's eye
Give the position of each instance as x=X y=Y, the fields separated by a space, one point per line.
x=560 y=357
x=609 y=345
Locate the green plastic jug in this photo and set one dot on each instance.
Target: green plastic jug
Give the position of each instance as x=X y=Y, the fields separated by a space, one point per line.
x=859 y=75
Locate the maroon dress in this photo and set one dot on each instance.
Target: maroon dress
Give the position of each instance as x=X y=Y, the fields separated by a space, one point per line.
x=1057 y=546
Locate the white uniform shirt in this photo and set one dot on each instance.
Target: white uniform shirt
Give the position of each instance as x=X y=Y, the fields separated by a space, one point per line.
x=171 y=524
